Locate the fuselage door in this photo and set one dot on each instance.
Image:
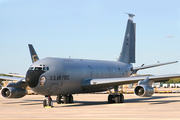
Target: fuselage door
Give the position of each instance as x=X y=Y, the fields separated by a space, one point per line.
x=53 y=88
x=90 y=70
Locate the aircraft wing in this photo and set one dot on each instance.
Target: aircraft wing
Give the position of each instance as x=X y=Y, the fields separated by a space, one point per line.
x=16 y=75
x=154 y=65
x=7 y=78
x=108 y=82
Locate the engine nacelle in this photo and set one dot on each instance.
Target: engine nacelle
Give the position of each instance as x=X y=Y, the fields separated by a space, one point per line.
x=144 y=91
x=12 y=92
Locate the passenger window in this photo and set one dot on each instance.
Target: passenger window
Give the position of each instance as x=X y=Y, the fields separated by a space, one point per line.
x=38 y=68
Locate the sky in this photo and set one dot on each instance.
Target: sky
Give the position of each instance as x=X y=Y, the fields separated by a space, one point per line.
x=88 y=29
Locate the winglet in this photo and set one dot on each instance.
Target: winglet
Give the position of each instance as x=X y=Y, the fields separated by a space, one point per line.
x=34 y=56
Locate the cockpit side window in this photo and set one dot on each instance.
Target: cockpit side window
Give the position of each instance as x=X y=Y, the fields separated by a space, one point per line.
x=45 y=68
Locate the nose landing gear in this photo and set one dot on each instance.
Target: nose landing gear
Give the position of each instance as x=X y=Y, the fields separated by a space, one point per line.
x=47 y=102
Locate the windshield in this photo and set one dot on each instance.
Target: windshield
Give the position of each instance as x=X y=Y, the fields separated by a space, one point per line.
x=39 y=68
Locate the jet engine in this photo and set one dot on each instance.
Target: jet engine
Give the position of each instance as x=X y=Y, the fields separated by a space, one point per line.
x=12 y=92
x=144 y=91
x=144 y=88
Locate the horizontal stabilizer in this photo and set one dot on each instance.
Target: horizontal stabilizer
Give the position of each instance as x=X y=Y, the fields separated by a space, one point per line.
x=154 y=65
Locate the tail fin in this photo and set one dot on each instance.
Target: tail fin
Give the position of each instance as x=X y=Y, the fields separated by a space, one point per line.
x=128 y=50
x=34 y=56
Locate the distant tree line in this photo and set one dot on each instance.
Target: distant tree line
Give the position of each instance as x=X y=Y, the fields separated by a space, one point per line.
x=174 y=80
x=1 y=74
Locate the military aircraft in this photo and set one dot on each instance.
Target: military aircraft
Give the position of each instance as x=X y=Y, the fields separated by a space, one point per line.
x=63 y=77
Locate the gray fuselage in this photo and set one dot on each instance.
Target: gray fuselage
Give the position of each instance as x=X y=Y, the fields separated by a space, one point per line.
x=65 y=76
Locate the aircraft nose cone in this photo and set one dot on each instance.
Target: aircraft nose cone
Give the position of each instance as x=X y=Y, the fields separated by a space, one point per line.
x=32 y=77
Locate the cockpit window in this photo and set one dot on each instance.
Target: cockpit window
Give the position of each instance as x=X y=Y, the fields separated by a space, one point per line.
x=31 y=68
x=38 y=68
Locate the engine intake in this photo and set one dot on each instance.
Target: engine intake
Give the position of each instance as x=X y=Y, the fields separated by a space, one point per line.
x=12 y=92
x=144 y=91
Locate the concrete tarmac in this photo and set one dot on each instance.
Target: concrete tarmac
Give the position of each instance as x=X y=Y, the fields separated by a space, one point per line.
x=93 y=106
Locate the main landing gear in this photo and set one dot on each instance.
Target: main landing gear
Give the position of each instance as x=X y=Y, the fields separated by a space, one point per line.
x=47 y=102
x=115 y=98
x=64 y=99
x=61 y=99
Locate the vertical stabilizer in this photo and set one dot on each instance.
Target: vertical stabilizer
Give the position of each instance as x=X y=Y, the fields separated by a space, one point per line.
x=34 y=56
x=127 y=54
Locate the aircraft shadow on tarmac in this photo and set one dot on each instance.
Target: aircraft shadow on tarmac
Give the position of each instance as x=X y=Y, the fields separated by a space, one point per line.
x=151 y=100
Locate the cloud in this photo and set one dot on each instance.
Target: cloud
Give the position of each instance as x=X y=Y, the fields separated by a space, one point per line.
x=169 y=36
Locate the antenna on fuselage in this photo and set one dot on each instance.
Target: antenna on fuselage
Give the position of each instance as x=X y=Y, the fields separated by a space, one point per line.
x=130 y=16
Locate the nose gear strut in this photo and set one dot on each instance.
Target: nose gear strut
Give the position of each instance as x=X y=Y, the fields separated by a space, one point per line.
x=47 y=102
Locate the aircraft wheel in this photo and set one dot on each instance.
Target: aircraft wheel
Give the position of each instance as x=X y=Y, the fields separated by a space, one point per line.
x=117 y=99
x=121 y=98
x=65 y=99
x=110 y=99
x=58 y=99
x=44 y=103
x=70 y=98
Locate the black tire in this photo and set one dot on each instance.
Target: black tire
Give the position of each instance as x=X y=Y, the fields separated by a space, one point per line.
x=58 y=99
x=121 y=98
x=110 y=99
x=44 y=103
x=70 y=99
x=117 y=99
x=65 y=99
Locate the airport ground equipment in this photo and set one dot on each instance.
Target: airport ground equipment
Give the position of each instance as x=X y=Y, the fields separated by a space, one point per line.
x=157 y=85
x=165 y=85
x=172 y=85
x=177 y=85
